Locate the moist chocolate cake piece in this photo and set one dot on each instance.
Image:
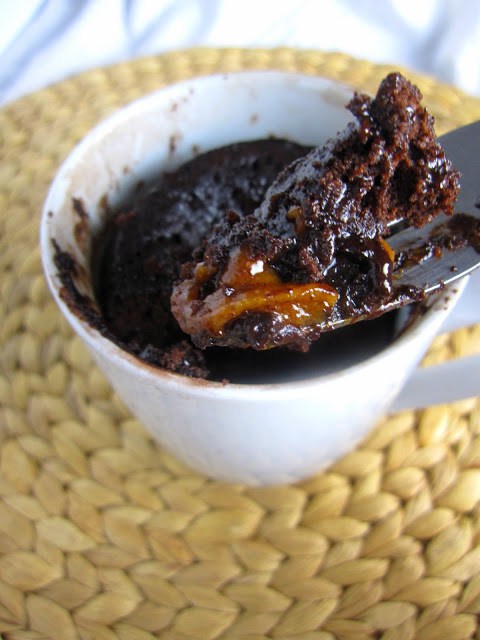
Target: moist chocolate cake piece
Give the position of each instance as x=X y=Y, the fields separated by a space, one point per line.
x=315 y=249
x=140 y=252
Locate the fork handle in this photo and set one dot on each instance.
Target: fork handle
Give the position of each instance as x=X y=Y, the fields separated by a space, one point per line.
x=453 y=380
x=467 y=309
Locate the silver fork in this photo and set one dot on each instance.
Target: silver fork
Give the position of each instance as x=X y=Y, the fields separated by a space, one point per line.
x=462 y=147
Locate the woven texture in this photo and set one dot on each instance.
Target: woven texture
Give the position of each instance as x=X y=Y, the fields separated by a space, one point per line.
x=103 y=535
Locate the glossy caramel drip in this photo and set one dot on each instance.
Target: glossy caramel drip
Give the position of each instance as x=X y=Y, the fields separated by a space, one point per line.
x=250 y=285
x=388 y=250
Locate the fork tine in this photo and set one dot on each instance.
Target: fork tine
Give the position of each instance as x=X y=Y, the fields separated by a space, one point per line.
x=462 y=147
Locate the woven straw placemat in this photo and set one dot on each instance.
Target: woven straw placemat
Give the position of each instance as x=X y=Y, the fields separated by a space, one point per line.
x=103 y=535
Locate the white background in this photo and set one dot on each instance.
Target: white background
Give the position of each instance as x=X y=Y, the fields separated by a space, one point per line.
x=43 y=41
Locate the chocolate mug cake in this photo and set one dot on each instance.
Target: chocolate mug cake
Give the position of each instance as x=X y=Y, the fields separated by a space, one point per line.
x=280 y=235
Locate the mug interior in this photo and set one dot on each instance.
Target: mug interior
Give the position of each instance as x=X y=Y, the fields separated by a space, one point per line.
x=162 y=131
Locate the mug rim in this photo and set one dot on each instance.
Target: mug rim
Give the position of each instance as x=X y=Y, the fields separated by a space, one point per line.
x=439 y=304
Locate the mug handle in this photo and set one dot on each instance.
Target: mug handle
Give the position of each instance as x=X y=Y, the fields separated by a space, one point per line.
x=452 y=380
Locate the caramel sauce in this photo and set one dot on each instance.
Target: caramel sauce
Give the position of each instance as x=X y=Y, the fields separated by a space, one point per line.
x=251 y=285
x=388 y=250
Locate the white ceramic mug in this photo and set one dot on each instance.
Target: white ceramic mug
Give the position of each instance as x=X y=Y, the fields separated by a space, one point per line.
x=249 y=433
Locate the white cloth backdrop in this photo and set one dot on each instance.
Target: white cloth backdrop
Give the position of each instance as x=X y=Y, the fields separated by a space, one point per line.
x=42 y=41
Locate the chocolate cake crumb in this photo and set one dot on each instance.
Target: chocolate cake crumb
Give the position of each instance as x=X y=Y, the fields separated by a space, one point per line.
x=181 y=357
